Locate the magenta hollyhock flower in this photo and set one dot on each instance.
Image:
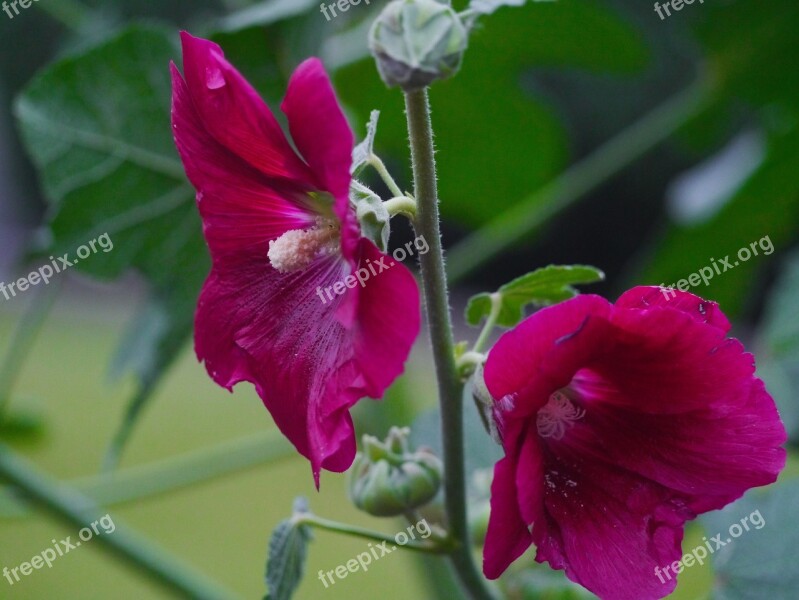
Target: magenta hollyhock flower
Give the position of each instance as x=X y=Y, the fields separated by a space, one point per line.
x=619 y=423
x=281 y=232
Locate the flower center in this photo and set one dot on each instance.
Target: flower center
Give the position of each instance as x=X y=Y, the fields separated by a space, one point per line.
x=557 y=416
x=297 y=248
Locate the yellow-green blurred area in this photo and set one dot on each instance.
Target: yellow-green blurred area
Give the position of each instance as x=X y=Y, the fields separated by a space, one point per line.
x=221 y=527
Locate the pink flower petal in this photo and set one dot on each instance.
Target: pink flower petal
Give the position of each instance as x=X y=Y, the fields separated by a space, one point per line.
x=507 y=537
x=318 y=126
x=242 y=210
x=517 y=356
x=235 y=115
x=647 y=297
x=274 y=330
x=608 y=529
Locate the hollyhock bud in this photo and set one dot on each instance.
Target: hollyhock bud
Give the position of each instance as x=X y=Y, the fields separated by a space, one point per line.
x=417 y=42
x=387 y=479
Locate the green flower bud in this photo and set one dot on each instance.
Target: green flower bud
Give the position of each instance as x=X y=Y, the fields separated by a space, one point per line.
x=417 y=42
x=387 y=479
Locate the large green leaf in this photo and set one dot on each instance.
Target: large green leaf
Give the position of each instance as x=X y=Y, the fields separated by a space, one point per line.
x=761 y=561
x=778 y=360
x=97 y=126
x=496 y=142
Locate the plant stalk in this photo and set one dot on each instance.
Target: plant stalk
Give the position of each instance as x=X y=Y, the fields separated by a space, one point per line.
x=434 y=287
x=438 y=547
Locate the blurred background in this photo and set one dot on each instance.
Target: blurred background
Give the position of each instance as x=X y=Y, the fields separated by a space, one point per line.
x=578 y=131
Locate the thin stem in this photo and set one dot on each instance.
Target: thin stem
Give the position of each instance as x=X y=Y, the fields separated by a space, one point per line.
x=401 y=205
x=80 y=512
x=437 y=534
x=174 y=473
x=434 y=286
x=585 y=176
x=381 y=169
x=353 y=530
x=491 y=322
x=22 y=340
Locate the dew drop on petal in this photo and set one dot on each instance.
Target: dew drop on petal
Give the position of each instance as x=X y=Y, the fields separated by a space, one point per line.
x=214 y=79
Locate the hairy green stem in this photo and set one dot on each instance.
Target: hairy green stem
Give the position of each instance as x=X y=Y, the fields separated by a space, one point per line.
x=434 y=286
x=80 y=512
x=22 y=340
x=606 y=161
x=439 y=547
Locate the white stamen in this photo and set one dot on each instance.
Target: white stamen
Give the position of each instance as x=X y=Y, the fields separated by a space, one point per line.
x=558 y=415
x=297 y=248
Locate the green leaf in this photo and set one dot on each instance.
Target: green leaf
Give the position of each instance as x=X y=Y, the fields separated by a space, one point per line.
x=543 y=287
x=363 y=151
x=781 y=321
x=778 y=360
x=97 y=127
x=372 y=214
x=478 y=308
x=761 y=561
x=288 y=550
